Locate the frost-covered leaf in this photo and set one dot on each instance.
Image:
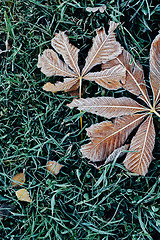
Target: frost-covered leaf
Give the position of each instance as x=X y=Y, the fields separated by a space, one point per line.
x=140 y=152
x=51 y=65
x=108 y=107
x=111 y=78
x=69 y=84
x=18 y=179
x=107 y=136
x=104 y=48
x=23 y=195
x=54 y=167
x=69 y=52
x=134 y=81
x=117 y=153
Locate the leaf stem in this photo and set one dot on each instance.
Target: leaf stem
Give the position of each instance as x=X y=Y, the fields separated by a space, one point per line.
x=80 y=95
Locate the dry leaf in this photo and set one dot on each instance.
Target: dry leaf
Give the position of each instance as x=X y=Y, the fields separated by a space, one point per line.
x=23 y=195
x=108 y=137
x=134 y=81
x=108 y=107
x=104 y=48
x=18 y=179
x=54 y=167
x=142 y=144
x=119 y=70
x=95 y=9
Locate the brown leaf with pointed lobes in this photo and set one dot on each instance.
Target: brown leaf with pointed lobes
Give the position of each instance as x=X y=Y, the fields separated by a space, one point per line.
x=107 y=136
x=18 y=179
x=69 y=52
x=108 y=107
x=111 y=78
x=54 y=167
x=104 y=48
x=142 y=144
x=69 y=84
x=51 y=65
x=134 y=82
x=155 y=67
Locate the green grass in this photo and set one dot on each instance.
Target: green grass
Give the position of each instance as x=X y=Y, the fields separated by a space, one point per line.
x=81 y=202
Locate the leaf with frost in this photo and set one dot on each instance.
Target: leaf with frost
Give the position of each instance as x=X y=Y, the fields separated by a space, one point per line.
x=104 y=48
x=69 y=52
x=23 y=195
x=140 y=152
x=106 y=138
x=51 y=65
x=18 y=179
x=111 y=78
x=54 y=167
x=134 y=81
x=108 y=107
x=119 y=70
x=69 y=83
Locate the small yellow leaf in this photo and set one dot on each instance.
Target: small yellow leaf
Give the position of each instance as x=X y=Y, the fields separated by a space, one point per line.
x=54 y=167
x=18 y=179
x=23 y=195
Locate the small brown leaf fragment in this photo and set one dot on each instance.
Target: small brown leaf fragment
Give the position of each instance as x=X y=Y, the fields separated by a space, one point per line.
x=54 y=167
x=18 y=180
x=23 y=195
